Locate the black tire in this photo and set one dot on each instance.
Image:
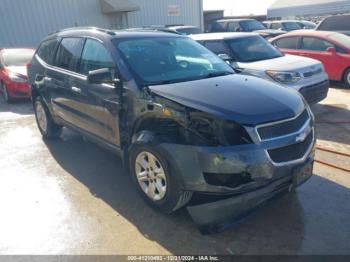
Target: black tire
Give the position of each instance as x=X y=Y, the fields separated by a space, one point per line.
x=175 y=197
x=51 y=130
x=347 y=78
x=4 y=93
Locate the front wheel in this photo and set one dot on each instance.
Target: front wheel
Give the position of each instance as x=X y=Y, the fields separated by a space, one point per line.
x=45 y=123
x=5 y=93
x=347 y=78
x=157 y=183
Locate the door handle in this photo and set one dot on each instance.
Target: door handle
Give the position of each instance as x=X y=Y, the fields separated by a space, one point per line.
x=76 y=89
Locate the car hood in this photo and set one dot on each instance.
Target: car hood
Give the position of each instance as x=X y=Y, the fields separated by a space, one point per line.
x=247 y=100
x=283 y=63
x=270 y=32
x=22 y=70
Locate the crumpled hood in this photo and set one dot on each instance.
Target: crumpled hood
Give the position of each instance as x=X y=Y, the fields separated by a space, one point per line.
x=22 y=70
x=245 y=99
x=284 y=63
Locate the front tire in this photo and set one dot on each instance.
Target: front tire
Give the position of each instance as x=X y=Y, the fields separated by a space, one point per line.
x=155 y=180
x=347 y=78
x=46 y=125
x=5 y=93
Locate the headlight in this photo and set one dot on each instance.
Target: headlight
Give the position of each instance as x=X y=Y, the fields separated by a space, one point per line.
x=206 y=131
x=17 y=78
x=284 y=77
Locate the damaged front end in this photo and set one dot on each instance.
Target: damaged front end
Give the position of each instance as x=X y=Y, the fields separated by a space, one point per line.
x=232 y=169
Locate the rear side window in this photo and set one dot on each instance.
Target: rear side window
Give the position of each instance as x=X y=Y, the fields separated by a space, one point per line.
x=276 y=26
x=288 y=43
x=233 y=27
x=68 y=53
x=46 y=49
x=315 y=44
x=218 y=47
x=217 y=27
x=95 y=56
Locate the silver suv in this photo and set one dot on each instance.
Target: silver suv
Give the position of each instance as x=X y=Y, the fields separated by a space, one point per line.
x=253 y=55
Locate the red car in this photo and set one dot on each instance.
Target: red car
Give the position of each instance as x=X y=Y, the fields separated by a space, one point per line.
x=13 y=73
x=331 y=48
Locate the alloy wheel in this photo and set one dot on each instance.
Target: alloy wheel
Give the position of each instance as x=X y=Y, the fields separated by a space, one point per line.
x=41 y=116
x=151 y=176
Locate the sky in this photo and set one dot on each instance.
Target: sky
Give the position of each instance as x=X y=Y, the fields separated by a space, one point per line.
x=239 y=7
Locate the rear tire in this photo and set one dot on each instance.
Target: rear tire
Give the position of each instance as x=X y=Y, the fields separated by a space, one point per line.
x=155 y=180
x=46 y=125
x=5 y=93
x=347 y=78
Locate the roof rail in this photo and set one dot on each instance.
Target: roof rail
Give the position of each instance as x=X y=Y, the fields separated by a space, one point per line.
x=107 y=31
x=152 y=29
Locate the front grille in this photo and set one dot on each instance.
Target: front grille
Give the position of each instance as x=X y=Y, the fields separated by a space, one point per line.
x=312 y=73
x=283 y=128
x=291 y=152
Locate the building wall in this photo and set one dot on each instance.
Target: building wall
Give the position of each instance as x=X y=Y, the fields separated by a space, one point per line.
x=310 y=8
x=155 y=12
x=25 y=22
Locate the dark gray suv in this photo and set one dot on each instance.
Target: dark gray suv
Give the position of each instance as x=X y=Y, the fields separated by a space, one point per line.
x=191 y=131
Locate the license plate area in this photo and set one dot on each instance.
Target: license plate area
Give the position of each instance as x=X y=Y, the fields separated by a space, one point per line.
x=303 y=173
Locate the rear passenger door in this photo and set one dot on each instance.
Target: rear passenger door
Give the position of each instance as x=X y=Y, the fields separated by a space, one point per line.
x=98 y=104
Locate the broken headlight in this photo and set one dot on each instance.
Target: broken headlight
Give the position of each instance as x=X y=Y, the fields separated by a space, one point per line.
x=206 y=131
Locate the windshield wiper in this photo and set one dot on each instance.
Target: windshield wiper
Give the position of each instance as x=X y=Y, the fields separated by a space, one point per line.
x=219 y=73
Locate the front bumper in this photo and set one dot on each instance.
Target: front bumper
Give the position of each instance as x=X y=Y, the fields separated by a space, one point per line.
x=315 y=93
x=214 y=207
x=18 y=90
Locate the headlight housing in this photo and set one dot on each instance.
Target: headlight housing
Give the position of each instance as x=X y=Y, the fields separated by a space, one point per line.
x=17 y=78
x=207 y=131
x=284 y=77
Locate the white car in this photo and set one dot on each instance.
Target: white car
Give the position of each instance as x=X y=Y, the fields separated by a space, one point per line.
x=252 y=54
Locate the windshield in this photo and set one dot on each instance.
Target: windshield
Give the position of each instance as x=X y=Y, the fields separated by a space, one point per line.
x=189 y=30
x=169 y=59
x=252 y=48
x=290 y=26
x=251 y=25
x=17 y=57
x=341 y=39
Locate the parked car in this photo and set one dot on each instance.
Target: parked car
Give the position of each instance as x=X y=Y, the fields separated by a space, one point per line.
x=243 y=25
x=331 y=48
x=252 y=54
x=285 y=25
x=179 y=117
x=13 y=73
x=337 y=23
x=186 y=29
x=306 y=24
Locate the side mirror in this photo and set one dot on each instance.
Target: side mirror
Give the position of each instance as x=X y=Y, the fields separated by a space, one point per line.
x=225 y=57
x=238 y=29
x=99 y=76
x=331 y=50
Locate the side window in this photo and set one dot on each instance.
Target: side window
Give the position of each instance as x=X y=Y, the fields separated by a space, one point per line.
x=275 y=26
x=217 y=47
x=46 y=49
x=95 y=56
x=232 y=27
x=217 y=27
x=315 y=44
x=288 y=43
x=68 y=53
x=340 y=50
